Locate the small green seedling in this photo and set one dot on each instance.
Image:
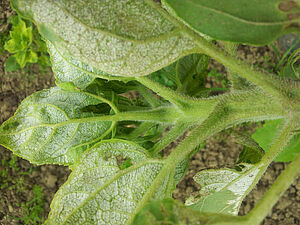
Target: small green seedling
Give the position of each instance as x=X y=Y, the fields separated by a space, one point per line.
x=33 y=210
x=25 y=46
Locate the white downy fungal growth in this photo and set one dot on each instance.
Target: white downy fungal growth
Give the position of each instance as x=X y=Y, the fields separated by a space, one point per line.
x=126 y=38
x=99 y=192
x=225 y=186
x=49 y=127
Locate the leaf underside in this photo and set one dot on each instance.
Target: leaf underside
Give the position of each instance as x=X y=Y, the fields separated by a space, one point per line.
x=98 y=191
x=253 y=22
x=126 y=38
x=50 y=127
x=67 y=69
x=223 y=190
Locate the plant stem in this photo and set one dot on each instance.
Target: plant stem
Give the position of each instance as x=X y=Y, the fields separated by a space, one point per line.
x=267 y=82
x=167 y=115
x=235 y=79
x=172 y=135
x=282 y=183
x=281 y=141
x=260 y=211
x=150 y=98
x=110 y=103
x=168 y=94
x=138 y=131
x=193 y=109
x=158 y=115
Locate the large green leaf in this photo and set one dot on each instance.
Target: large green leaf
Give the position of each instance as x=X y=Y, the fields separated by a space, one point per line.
x=127 y=38
x=254 y=22
x=223 y=190
x=102 y=189
x=67 y=69
x=267 y=134
x=50 y=126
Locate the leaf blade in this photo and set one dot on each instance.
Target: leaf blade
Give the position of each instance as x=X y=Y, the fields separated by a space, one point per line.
x=123 y=42
x=67 y=69
x=47 y=127
x=223 y=190
x=98 y=185
x=265 y=136
x=251 y=22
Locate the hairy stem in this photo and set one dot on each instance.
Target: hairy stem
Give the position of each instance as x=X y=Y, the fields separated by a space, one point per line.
x=267 y=82
x=257 y=215
x=235 y=79
x=150 y=98
x=138 y=131
x=188 y=106
x=172 y=135
x=168 y=94
x=282 y=183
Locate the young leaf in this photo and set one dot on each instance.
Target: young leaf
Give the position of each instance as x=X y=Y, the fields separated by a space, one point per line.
x=19 y=44
x=253 y=22
x=21 y=37
x=250 y=155
x=50 y=127
x=191 y=70
x=266 y=135
x=252 y=152
x=98 y=191
x=67 y=69
x=130 y=38
x=223 y=190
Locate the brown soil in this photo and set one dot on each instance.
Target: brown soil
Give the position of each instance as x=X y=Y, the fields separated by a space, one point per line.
x=220 y=151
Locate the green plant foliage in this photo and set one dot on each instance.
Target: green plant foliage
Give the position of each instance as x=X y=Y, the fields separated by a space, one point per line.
x=189 y=73
x=98 y=186
x=122 y=42
x=67 y=69
x=49 y=127
x=223 y=190
x=292 y=67
x=25 y=45
x=252 y=153
x=33 y=209
x=266 y=135
x=252 y=22
x=106 y=123
x=19 y=45
x=168 y=211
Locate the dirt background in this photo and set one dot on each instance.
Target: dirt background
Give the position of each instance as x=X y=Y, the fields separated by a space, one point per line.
x=220 y=151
